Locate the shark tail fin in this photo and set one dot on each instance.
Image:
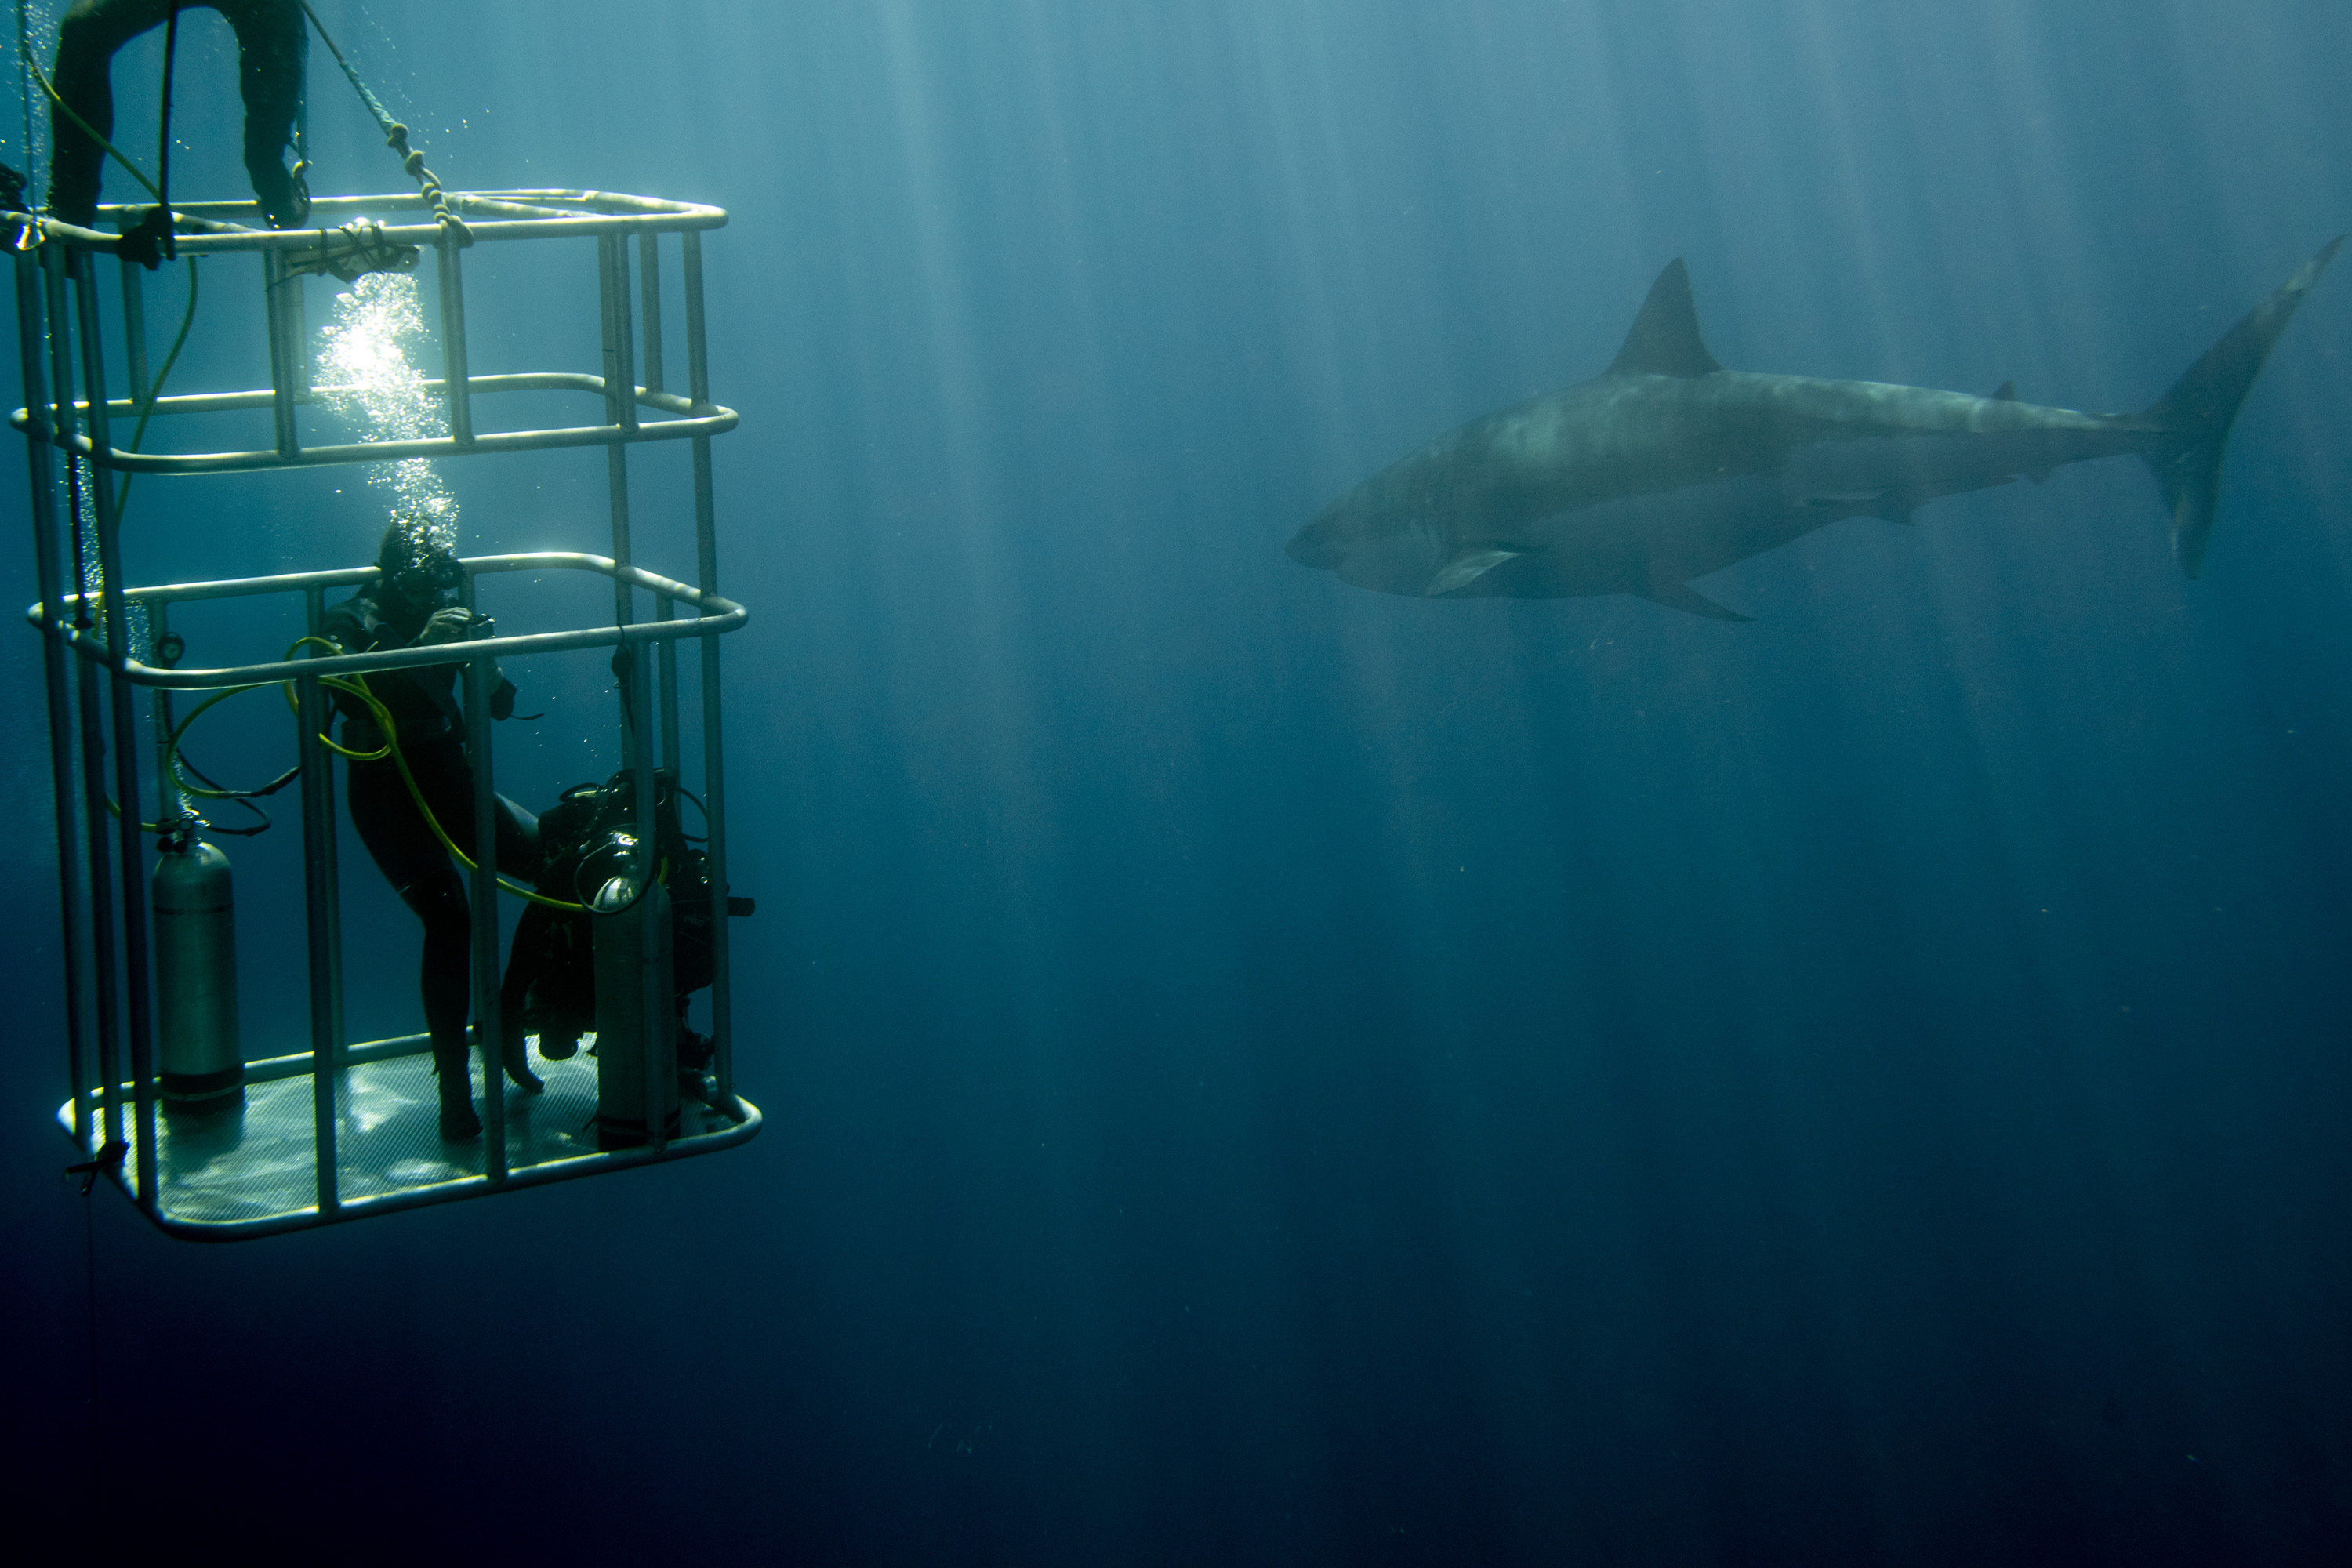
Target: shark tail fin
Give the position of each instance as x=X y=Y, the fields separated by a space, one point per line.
x=2192 y=421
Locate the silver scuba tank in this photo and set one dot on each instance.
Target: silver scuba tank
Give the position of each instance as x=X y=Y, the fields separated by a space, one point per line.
x=195 y=976
x=636 y=1078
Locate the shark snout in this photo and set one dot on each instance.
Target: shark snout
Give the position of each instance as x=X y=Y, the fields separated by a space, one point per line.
x=1328 y=538
x=1318 y=546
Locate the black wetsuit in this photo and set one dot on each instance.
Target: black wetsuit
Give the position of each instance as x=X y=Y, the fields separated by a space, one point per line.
x=423 y=708
x=271 y=45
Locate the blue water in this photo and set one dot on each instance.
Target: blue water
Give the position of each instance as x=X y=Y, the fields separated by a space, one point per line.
x=1262 y=1072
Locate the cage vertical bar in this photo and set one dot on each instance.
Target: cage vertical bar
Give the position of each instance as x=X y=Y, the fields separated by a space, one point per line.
x=315 y=715
x=285 y=378
x=122 y=713
x=31 y=332
x=650 y=306
x=714 y=769
x=453 y=358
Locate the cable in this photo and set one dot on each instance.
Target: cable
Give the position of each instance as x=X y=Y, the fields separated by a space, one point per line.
x=164 y=133
x=234 y=797
x=155 y=388
x=25 y=49
x=682 y=832
x=24 y=93
x=163 y=202
x=355 y=687
x=219 y=790
x=239 y=797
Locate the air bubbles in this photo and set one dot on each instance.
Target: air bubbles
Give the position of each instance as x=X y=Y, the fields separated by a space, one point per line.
x=368 y=377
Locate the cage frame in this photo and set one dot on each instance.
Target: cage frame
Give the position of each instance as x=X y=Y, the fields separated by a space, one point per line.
x=93 y=680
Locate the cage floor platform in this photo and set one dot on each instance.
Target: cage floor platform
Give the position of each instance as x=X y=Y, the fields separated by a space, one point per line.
x=226 y=1174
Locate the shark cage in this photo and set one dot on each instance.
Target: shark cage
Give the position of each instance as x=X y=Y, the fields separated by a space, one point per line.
x=210 y=1137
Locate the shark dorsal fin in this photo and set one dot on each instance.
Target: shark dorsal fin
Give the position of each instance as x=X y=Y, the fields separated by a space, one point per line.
x=1665 y=339
x=2005 y=393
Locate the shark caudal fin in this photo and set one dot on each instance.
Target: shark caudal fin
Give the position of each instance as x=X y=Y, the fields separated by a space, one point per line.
x=2193 y=420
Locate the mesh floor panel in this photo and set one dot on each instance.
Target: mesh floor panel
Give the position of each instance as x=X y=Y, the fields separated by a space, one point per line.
x=232 y=1170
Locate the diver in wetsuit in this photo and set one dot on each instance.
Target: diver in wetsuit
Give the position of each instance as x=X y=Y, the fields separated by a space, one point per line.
x=405 y=608
x=271 y=46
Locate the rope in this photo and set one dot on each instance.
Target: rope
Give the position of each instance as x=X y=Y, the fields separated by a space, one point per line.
x=396 y=136
x=363 y=250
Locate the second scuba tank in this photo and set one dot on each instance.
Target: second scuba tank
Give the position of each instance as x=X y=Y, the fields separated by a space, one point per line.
x=195 y=976
x=636 y=1078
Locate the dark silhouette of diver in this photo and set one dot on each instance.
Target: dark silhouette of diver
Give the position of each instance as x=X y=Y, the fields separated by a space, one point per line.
x=405 y=608
x=271 y=46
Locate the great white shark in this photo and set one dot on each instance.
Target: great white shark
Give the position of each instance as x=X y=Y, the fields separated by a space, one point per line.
x=1666 y=467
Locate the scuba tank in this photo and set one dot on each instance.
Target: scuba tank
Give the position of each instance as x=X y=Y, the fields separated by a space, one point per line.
x=569 y=973
x=195 y=976
x=636 y=1077
x=586 y=838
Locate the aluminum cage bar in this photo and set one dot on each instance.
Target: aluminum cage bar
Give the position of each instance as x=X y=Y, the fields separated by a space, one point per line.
x=502 y=217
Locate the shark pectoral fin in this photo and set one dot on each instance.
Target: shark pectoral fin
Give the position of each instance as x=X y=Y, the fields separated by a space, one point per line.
x=1682 y=596
x=1466 y=565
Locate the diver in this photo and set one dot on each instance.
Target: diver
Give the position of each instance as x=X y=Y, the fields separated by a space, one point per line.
x=271 y=48
x=405 y=607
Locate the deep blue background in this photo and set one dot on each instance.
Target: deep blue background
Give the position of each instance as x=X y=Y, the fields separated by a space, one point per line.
x=1262 y=1072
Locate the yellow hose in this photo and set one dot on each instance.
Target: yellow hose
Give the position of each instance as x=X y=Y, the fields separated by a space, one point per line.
x=356 y=686
x=42 y=77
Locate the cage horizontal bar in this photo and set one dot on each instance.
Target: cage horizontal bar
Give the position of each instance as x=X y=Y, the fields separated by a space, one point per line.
x=740 y=1130
x=716 y=421
x=271 y=1069
x=721 y=616
x=612 y=212
x=30 y=421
